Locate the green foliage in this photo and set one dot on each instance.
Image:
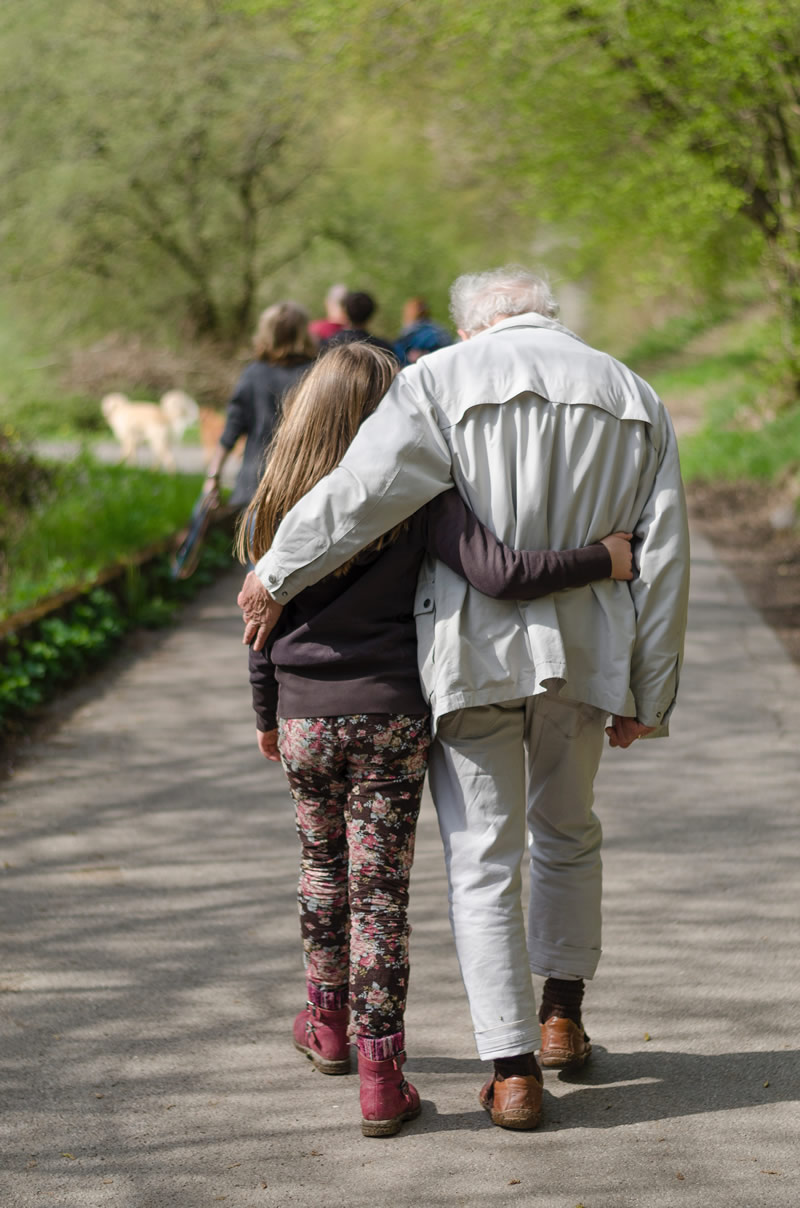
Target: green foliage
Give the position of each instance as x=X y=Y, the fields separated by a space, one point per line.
x=29 y=401
x=67 y=417
x=671 y=337
x=718 y=375
x=24 y=485
x=33 y=666
x=57 y=650
x=94 y=515
x=168 y=152
x=169 y=169
x=733 y=453
x=190 y=162
x=659 y=137
x=729 y=380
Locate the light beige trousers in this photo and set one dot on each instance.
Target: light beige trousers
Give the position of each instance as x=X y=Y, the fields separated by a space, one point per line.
x=487 y=802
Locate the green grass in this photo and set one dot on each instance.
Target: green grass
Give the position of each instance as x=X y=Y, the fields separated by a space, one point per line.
x=672 y=337
x=725 y=382
x=715 y=371
x=30 y=401
x=730 y=454
x=69 y=417
x=94 y=515
x=53 y=652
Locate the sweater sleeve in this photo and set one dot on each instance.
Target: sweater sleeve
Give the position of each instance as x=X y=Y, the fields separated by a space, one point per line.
x=457 y=537
x=265 y=689
x=239 y=415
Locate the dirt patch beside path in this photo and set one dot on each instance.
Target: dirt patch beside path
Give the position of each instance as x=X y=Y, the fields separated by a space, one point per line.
x=736 y=519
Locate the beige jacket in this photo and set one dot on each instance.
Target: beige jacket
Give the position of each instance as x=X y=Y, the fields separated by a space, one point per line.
x=554 y=445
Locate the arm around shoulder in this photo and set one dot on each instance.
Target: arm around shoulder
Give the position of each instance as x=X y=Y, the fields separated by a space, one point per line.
x=398 y=461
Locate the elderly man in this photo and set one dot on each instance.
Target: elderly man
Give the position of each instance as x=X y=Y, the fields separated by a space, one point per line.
x=553 y=444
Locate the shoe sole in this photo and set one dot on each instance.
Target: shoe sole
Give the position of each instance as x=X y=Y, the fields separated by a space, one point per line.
x=387 y=1128
x=518 y=1119
x=321 y=1063
x=523 y=1122
x=555 y=1060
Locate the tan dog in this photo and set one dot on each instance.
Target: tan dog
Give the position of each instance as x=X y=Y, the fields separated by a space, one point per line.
x=154 y=424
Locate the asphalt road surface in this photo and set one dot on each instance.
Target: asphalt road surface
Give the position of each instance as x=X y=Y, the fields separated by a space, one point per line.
x=151 y=964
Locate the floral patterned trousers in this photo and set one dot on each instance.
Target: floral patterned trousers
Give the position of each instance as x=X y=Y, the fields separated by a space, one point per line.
x=357 y=783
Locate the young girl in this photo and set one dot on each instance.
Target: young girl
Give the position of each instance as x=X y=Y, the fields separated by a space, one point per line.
x=340 y=672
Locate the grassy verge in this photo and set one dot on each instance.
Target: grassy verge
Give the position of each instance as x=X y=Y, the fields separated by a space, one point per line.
x=92 y=516
x=64 y=525
x=728 y=454
x=56 y=651
x=718 y=380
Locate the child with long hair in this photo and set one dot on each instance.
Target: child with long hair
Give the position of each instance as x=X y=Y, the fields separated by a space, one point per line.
x=337 y=697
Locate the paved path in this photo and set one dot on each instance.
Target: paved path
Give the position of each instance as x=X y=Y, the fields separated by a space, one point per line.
x=151 y=969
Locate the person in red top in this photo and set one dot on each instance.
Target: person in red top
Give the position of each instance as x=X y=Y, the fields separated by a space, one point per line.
x=335 y=318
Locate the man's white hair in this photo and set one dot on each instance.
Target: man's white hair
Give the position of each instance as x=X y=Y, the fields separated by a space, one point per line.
x=477 y=300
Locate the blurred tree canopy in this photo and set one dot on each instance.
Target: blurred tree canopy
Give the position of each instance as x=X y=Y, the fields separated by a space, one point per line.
x=657 y=137
x=168 y=163
x=155 y=156
x=173 y=167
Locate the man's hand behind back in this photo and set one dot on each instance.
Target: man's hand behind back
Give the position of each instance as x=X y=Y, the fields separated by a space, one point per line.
x=625 y=730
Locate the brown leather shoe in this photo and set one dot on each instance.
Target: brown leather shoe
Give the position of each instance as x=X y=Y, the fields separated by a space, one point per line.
x=514 y=1102
x=565 y=1045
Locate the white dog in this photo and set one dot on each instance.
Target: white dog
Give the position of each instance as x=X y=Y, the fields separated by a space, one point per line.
x=155 y=424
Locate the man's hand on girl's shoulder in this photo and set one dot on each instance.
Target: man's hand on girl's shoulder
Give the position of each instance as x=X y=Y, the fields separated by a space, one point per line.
x=259 y=611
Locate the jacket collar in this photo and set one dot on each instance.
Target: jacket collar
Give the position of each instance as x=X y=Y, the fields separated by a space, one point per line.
x=553 y=363
x=529 y=319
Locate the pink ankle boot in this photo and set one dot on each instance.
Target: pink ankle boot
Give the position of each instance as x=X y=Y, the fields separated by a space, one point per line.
x=322 y=1036
x=386 y=1098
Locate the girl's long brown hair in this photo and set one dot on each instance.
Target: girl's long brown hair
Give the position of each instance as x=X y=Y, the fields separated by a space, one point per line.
x=321 y=415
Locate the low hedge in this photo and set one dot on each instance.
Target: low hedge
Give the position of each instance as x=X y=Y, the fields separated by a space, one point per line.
x=42 y=657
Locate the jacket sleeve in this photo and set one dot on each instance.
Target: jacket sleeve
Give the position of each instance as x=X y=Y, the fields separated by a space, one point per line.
x=265 y=689
x=239 y=416
x=397 y=462
x=457 y=537
x=661 y=588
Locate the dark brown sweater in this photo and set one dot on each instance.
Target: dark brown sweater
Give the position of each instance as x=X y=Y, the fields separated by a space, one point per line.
x=348 y=644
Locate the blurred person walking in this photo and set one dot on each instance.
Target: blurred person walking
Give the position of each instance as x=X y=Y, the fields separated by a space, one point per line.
x=335 y=317
x=360 y=308
x=420 y=335
x=284 y=350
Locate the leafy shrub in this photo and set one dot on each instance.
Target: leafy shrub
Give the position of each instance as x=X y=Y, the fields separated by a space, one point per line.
x=144 y=370
x=55 y=651
x=24 y=483
x=63 y=416
x=93 y=516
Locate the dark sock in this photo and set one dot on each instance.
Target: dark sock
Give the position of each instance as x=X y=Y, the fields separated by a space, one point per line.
x=509 y=1067
x=562 y=999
